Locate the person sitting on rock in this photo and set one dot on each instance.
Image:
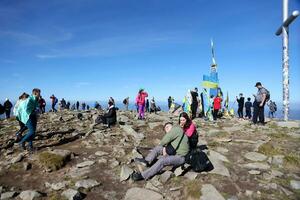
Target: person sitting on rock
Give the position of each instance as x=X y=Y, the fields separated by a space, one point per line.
x=110 y=117
x=172 y=149
x=28 y=116
x=189 y=129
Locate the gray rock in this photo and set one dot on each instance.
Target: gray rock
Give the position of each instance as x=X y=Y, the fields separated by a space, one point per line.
x=219 y=167
x=26 y=166
x=276 y=173
x=154 y=124
x=212 y=132
x=8 y=195
x=256 y=165
x=130 y=131
x=191 y=175
x=254 y=156
x=102 y=161
x=295 y=184
x=178 y=171
x=71 y=194
x=101 y=153
x=114 y=163
x=254 y=172
x=87 y=184
x=288 y=124
x=125 y=173
x=142 y=194
x=233 y=198
x=136 y=154
x=166 y=176
x=57 y=186
x=18 y=158
x=85 y=164
x=218 y=156
x=278 y=160
x=123 y=119
x=29 y=195
x=209 y=192
x=78 y=172
x=222 y=150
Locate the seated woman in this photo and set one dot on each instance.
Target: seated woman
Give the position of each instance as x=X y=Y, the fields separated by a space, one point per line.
x=189 y=129
x=110 y=117
x=173 y=148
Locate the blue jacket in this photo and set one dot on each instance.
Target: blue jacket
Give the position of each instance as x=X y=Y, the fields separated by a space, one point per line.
x=26 y=108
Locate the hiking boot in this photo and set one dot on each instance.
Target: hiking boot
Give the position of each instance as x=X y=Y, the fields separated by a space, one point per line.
x=137 y=176
x=142 y=161
x=22 y=146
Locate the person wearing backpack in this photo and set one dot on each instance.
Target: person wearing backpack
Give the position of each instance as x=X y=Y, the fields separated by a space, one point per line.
x=42 y=104
x=272 y=108
x=172 y=148
x=261 y=98
x=23 y=128
x=7 y=106
x=28 y=116
x=189 y=129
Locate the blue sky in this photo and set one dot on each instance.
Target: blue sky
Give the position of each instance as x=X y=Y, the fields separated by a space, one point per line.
x=93 y=49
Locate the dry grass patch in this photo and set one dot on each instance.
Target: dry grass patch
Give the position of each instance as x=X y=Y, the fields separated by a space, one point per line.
x=51 y=161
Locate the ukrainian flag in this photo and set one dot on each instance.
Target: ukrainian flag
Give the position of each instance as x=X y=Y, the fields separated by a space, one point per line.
x=210 y=82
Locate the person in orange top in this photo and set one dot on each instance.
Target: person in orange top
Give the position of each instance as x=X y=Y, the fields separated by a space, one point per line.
x=217 y=106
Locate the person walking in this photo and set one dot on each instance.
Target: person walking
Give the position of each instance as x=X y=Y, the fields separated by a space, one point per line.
x=54 y=101
x=23 y=128
x=259 y=104
x=272 y=109
x=42 y=104
x=77 y=105
x=7 y=106
x=140 y=101
x=147 y=106
x=28 y=116
x=152 y=106
x=126 y=103
x=241 y=102
x=248 y=106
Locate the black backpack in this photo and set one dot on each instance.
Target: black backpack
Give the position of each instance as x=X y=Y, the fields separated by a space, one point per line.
x=2 y=109
x=268 y=96
x=198 y=160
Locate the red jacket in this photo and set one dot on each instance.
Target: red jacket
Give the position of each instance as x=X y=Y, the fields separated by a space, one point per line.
x=140 y=99
x=217 y=103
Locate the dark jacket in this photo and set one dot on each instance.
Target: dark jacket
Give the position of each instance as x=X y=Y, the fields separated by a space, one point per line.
x=111 y=115
x=7 y=105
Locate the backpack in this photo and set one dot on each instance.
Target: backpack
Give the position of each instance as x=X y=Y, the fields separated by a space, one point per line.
x=124 y=101
x=198 y=161
x=55 y=101
x=2 y=109
x=267 y=95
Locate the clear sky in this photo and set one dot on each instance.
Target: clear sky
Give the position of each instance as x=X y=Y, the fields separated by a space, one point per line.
x=93 y=49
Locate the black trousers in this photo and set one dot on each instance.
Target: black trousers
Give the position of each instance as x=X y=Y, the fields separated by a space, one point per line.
x=248 y=114
x=7 y=113
x=194 y=107
x=215 y=114
x=241 y=112
x=258 y=113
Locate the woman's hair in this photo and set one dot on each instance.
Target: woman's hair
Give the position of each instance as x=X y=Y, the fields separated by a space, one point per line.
x=141 y=90
x=110 y=103
x=186 y=116
x=24 y=96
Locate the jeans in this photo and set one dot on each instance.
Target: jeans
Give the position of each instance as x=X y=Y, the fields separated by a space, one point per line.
x=7 y=113
x=240 y=112
x=31 y=125
x=53 y=108
x=141 y=111
x=175 y=161
x=248 y=114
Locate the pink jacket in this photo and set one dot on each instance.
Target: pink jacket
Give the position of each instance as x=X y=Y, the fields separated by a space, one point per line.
x=140 y=99
x=190 y=130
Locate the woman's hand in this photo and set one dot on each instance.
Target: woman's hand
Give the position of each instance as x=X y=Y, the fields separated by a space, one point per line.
x=165 y=152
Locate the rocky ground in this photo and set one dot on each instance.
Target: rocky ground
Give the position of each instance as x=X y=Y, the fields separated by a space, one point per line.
x=75 y=159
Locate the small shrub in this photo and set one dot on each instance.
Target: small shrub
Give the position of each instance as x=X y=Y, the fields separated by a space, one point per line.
x=193 y=189
x=269 y=149
x=51 y=161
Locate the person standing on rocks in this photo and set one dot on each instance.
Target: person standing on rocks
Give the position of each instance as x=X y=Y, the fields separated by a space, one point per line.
x=140 y=101
x=68 y=105
x=189 y=129
x=28 y=116
x=259 y=104
x=83 y=106
x=169 y=102
x=23 y=128
x=77 y=105
x=241 y=102
x=248 y=106
x=54 y=101
x=172 y=149
x=152 y=106
x=126 y=103
x=147 y=106
x=272 y=109
x=217 y=106
x=195 y=101
x=42 y=104
x=7 y=106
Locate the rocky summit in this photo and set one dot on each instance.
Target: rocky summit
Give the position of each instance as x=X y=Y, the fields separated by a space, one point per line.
x=77 y=159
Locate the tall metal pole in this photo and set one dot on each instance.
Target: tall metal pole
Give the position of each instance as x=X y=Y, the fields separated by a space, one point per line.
x=285 y=62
